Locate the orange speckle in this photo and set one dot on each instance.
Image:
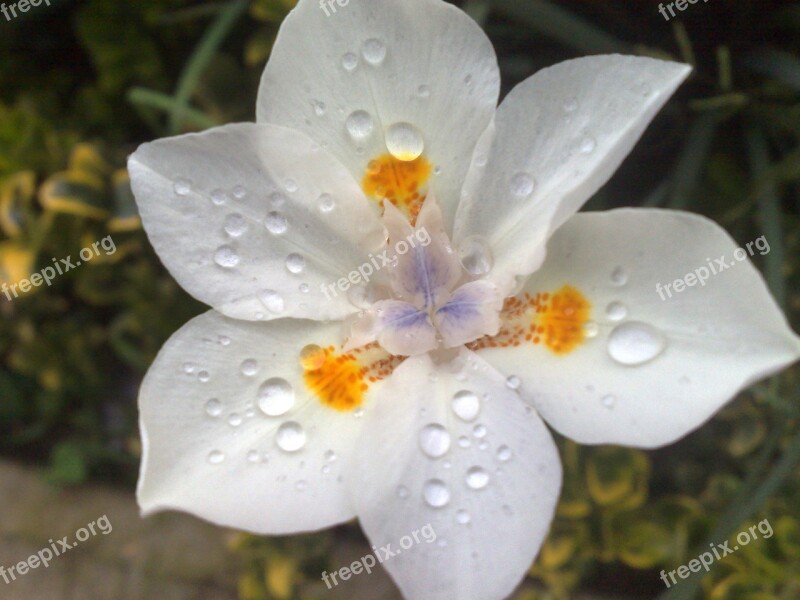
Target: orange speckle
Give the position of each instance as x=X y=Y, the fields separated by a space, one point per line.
x=401 y=182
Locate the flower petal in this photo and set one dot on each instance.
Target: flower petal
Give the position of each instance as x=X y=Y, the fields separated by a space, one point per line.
x=472 y=311
x=623 y=362
x=233 y=432
x=559 y=136
x=488 y=497
x=255 y=220
x=346 y=78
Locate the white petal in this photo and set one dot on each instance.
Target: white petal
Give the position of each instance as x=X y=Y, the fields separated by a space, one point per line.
x=422 y=62
x=559 y=136
x=497 y=487
x=211 y=444
x=656 y=368
x=241 y=216
x=472 y=311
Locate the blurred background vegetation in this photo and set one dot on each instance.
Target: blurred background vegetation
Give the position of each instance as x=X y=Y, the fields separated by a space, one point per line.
x=82 y=83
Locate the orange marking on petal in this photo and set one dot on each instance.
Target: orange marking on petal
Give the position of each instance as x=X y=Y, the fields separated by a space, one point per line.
x=556 y=320
x=403 y=183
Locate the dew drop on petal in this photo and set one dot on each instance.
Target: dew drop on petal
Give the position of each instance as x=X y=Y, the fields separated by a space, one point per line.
x=235 y=419
x=312 y=357
x=219 y=197
x=330 y=456
x=404 y=141
x=253 y=456
x=608 y=400
x=591 y=329
x=619 y=276
x=275 y=397
x=435 y=493
x=466 y=405
x=326 y=203
x=359 y=125
x=464 y=442
x=504 y=454
x=239 y=192
x=295 y=263
x=374 y=51
x=522 y=185
x=276 y=223
x=616 y=311
x=235 y=225
x=249 y=367
x=203 y=376
x=213 y=408
x=226 y=257
x=349 y=61
x=479 y=431
x=290 y=437
x=215 y=457
x=424 y=91
x=434 y=440
x=182 y=187
x=290 y=185
x=475 y=255
x=513 y=382
x=272 y=300
x=462 y=517
x=277 y=199
x=635 y=343
x=587 y=145
x=477 y=478
x=301 y=485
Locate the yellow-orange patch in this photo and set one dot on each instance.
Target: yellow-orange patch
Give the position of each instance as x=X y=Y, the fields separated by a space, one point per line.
x=556 y=320
x=403 y=183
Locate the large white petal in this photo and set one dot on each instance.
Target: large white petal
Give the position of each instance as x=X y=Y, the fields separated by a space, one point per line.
x=559 y=136
x=486 y=535
x=718 y=338
x=422 y=62
x=255 y=220
x=211 y=446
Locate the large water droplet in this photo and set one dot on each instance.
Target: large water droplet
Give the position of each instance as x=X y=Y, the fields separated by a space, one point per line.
x=466 y=405
x=616 y=311
x=477 y=478
x=275 y=396
x=479 y=431
x=434 y=440
x=475 y=255
x=272 y=300
x=362 y=296
x=290 y=437
x=635 y=343
x=219 y=197
x=226 y=257
x=349 y=61
x=295 y=263
x=276 y=223
x=213 y=408
x=504 y=453
x=312 y=357
x=249 y=367
x=359 y=125
x=374 y=51
x=436 y=493
x=290 y=185
x=235 y=419
x=522 y=185
x=404 y=141
x=235 y=225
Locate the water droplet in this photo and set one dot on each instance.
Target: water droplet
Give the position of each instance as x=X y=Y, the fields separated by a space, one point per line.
x=402 y=491
x=587 y=145
x=226 y=257
x=218 y=197
x=374 y=51
x=424 y=91
x=434 y=440
x=275 y=396
x=513 y=382
x=635 y=343
x=272 y=300
x=213 y=408
x=571 y=105
x=253 y=456
x=435 y=493
x=475 y=255
x=330 y=456
x=290 y=185
x=325 y=203
x=619 y=276
x=504 y=454
x=235 y=419
x=608 y=400
x=463 y=517
x=203 y=376
x=319 y=107
x=404 y=141
x=290 y=437
x=312 y=357
x=326 y=469
x=350 y=61
x=239 y=192
x=464 y=442
x=522 y=185
x=477 y=478
x=277 y=199
x=301 y=485
x=216 y=457
x=182 y=187
x=275 y=223
x=249 y=367
x=616 y=311
x=362 y=296
x=359 y=125
x=466 y=405
x=295 y=263
x=189 y=368
x=479 y=431
x=235 y=225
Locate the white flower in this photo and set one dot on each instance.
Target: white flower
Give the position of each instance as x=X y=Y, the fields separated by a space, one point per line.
x=256 y=416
